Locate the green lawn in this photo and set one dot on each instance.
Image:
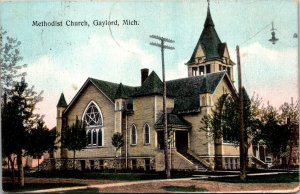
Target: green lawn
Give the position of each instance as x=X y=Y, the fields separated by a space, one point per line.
x=183 y=189
x=98 y=175
x=276 y=178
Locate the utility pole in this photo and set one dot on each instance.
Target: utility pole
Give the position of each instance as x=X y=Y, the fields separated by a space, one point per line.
x=241 y=118
x=163 y=47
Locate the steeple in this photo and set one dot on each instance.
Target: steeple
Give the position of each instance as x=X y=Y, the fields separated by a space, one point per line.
x=208 y=21
x=62 y=101
x=210 y=54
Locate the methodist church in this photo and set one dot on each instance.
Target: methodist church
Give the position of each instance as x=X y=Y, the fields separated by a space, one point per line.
x=136 y=112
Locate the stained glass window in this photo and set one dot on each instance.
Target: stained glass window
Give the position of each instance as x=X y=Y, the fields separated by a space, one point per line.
x=92 y=116
x=94 y=124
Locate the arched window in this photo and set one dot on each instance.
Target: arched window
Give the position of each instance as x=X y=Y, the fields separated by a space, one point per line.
x=100 y=140
x=89 y=136
x=92 y=115
x=94 y=137
x=146 y=134
x=94 y=122
x=133 y=135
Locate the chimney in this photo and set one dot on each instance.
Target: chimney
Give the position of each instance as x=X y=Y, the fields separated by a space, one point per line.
x=144 y=74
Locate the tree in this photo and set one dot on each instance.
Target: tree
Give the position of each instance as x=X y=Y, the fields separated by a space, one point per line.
x=117 y=141
x=10 y=71
x=290 y=114
x=17 y=119
x=41 y=140
x=224 y=121
x=272 y=132
x=9 y=60
x=74 y=138
x=279 y=130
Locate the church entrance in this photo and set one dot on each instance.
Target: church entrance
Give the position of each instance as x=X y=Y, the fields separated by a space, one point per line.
x=181 y=141
x=160 y=140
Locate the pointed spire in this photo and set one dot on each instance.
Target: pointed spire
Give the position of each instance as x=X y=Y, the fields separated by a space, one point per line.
x=209 y=40
x=208 y=21
x=120 y=92
x=62 y=101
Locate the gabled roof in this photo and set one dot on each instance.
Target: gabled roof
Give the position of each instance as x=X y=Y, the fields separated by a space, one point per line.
x=173 y=120
x=209 y=41
x=186 y=90
x=62 y=101
x=109 y=90
x=151 y=86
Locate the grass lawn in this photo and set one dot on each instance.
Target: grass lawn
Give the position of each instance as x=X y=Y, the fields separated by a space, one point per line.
x=276 y=178
x=98 y=175
x=183 y=189
x=36 y=186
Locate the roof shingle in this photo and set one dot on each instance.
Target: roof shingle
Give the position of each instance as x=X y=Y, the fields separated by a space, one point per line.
x=173 y=120
x=151 y=86
x=209 y=41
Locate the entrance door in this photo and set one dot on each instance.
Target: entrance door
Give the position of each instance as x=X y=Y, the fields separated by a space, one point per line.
x=181 y=141
x=160 y=140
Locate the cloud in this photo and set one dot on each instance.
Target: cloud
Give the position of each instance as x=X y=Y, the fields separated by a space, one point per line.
x=179 y=71
x=271 y=73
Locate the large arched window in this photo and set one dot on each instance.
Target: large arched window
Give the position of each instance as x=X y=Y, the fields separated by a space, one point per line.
x=146 y=134
x=94 y=122
x=133 y=135
x=92 y=115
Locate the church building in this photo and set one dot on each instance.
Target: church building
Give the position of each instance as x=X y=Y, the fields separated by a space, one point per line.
x=136 y=112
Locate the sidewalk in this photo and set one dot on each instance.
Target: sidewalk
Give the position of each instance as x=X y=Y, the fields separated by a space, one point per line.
x=157 y=186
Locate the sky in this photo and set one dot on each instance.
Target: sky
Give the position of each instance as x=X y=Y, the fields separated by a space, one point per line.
x=61 y=58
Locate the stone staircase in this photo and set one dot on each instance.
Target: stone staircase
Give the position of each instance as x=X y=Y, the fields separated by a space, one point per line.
x=196 y=162
x=259 y=163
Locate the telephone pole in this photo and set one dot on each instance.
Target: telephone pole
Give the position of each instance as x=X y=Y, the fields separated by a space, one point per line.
x=241 y=118
x=163 y=47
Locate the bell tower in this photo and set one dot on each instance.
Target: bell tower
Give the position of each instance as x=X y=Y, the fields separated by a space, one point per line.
x=210 y=54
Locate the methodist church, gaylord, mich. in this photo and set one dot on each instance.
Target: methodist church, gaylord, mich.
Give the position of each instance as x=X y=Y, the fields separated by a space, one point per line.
x=136 y=112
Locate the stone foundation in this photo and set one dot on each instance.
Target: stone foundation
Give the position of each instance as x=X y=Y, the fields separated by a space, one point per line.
x=98 y=164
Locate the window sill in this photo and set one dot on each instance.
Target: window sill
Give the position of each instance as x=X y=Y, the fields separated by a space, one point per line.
x=133 y=145
x=229 y=143
x=93 y=147
x=147 y=144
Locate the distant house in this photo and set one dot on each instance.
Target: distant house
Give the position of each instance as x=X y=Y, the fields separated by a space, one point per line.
x=136 y=112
